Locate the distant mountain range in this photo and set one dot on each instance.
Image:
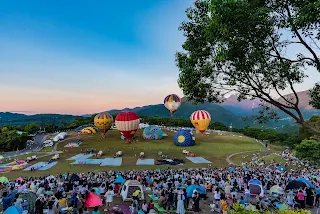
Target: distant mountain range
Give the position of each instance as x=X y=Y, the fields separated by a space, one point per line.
x=8 y=118
x=229 y=112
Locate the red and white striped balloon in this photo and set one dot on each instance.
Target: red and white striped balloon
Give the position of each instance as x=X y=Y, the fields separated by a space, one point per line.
x=127 y=123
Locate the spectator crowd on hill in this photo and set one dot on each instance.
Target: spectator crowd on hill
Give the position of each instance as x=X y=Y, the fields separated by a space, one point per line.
x=270 y=187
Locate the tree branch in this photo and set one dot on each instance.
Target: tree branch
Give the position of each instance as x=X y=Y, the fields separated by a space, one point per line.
x=316 y=59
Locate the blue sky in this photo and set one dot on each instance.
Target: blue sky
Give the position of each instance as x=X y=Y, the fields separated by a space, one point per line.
x=96 y=54
x=77 y=57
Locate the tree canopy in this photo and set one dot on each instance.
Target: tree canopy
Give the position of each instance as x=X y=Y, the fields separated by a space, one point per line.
x=252 y=48
x=309 y=150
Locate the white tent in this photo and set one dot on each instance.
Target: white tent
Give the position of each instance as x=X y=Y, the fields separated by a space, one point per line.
x=142 y=125
x=60 y=136
x=129 y=188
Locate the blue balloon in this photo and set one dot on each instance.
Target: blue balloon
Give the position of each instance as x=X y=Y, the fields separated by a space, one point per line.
x=152 y=133
x=184 y=138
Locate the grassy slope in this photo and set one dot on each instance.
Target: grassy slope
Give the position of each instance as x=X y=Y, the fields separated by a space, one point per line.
x=213 y=147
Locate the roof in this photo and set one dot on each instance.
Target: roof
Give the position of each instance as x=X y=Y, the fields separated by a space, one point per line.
x=132 y=183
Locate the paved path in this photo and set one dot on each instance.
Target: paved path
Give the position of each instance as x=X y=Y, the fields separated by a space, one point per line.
x=238 y=153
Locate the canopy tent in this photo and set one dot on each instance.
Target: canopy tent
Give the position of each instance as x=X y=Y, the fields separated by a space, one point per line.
x=129 y=188
x=255 y=187
x=193 y=187
x=60 y=136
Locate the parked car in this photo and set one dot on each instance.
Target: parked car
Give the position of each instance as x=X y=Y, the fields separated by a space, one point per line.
x=48 y=143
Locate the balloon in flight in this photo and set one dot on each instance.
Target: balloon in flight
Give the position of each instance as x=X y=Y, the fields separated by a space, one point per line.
x=172 y=102
x=200 y=120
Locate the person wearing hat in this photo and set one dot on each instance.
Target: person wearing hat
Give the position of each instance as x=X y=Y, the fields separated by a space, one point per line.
x=180 y=204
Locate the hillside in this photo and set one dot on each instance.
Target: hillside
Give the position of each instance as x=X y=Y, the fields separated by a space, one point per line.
x=239 y=114
x=8 y=118
x=217 y=112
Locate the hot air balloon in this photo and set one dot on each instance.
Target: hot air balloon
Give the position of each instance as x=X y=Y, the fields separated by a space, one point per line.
x=172 y=102
x=103 y=121
x=152 y=133
x=200 y=120
x=127 y=123
x=184 y=137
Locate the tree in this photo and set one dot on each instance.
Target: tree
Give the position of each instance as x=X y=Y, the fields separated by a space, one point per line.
x=31 y=128
x=219 y=126
x=309 y=150
x=240 y=46
x=315 y=96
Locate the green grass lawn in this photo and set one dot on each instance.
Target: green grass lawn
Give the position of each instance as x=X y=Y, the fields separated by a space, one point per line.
x=274 y=157
x=213 y=147
x=267 y=156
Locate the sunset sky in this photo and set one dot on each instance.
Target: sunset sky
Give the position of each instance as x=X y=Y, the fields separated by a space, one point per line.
x=79 y=57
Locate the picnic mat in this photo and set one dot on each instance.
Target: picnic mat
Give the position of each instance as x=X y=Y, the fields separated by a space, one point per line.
x=162 y=210
x=154 y=198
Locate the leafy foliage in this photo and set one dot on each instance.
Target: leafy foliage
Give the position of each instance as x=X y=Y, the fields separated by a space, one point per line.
x=240 y=47
x=309 y=150
x=11 y=140
x=315 y=96
x=238 y=209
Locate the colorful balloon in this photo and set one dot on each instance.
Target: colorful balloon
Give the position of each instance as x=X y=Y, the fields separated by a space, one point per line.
x=184 y=137
x=103 y=121
x=172 y=102
x=127 y=123
x=200 y=120
x=152 y=133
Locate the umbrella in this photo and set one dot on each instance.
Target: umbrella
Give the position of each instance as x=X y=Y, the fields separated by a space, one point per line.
x=119 y=180
x=13 y=210
x=308 y=183
x=295 y=184
x=280 y=168
x=64 y=175
x=31 y=197
x=4 y=179
x=92 y=200
x=19 y=179
x=231 y=169
x=193 y=187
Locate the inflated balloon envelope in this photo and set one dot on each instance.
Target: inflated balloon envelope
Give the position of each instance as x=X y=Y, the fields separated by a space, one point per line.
x=92 y=200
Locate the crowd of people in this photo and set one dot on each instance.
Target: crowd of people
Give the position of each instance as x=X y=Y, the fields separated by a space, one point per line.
x=168 y=189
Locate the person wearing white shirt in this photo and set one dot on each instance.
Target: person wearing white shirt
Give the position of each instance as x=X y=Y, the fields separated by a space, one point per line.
x=109 y=197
